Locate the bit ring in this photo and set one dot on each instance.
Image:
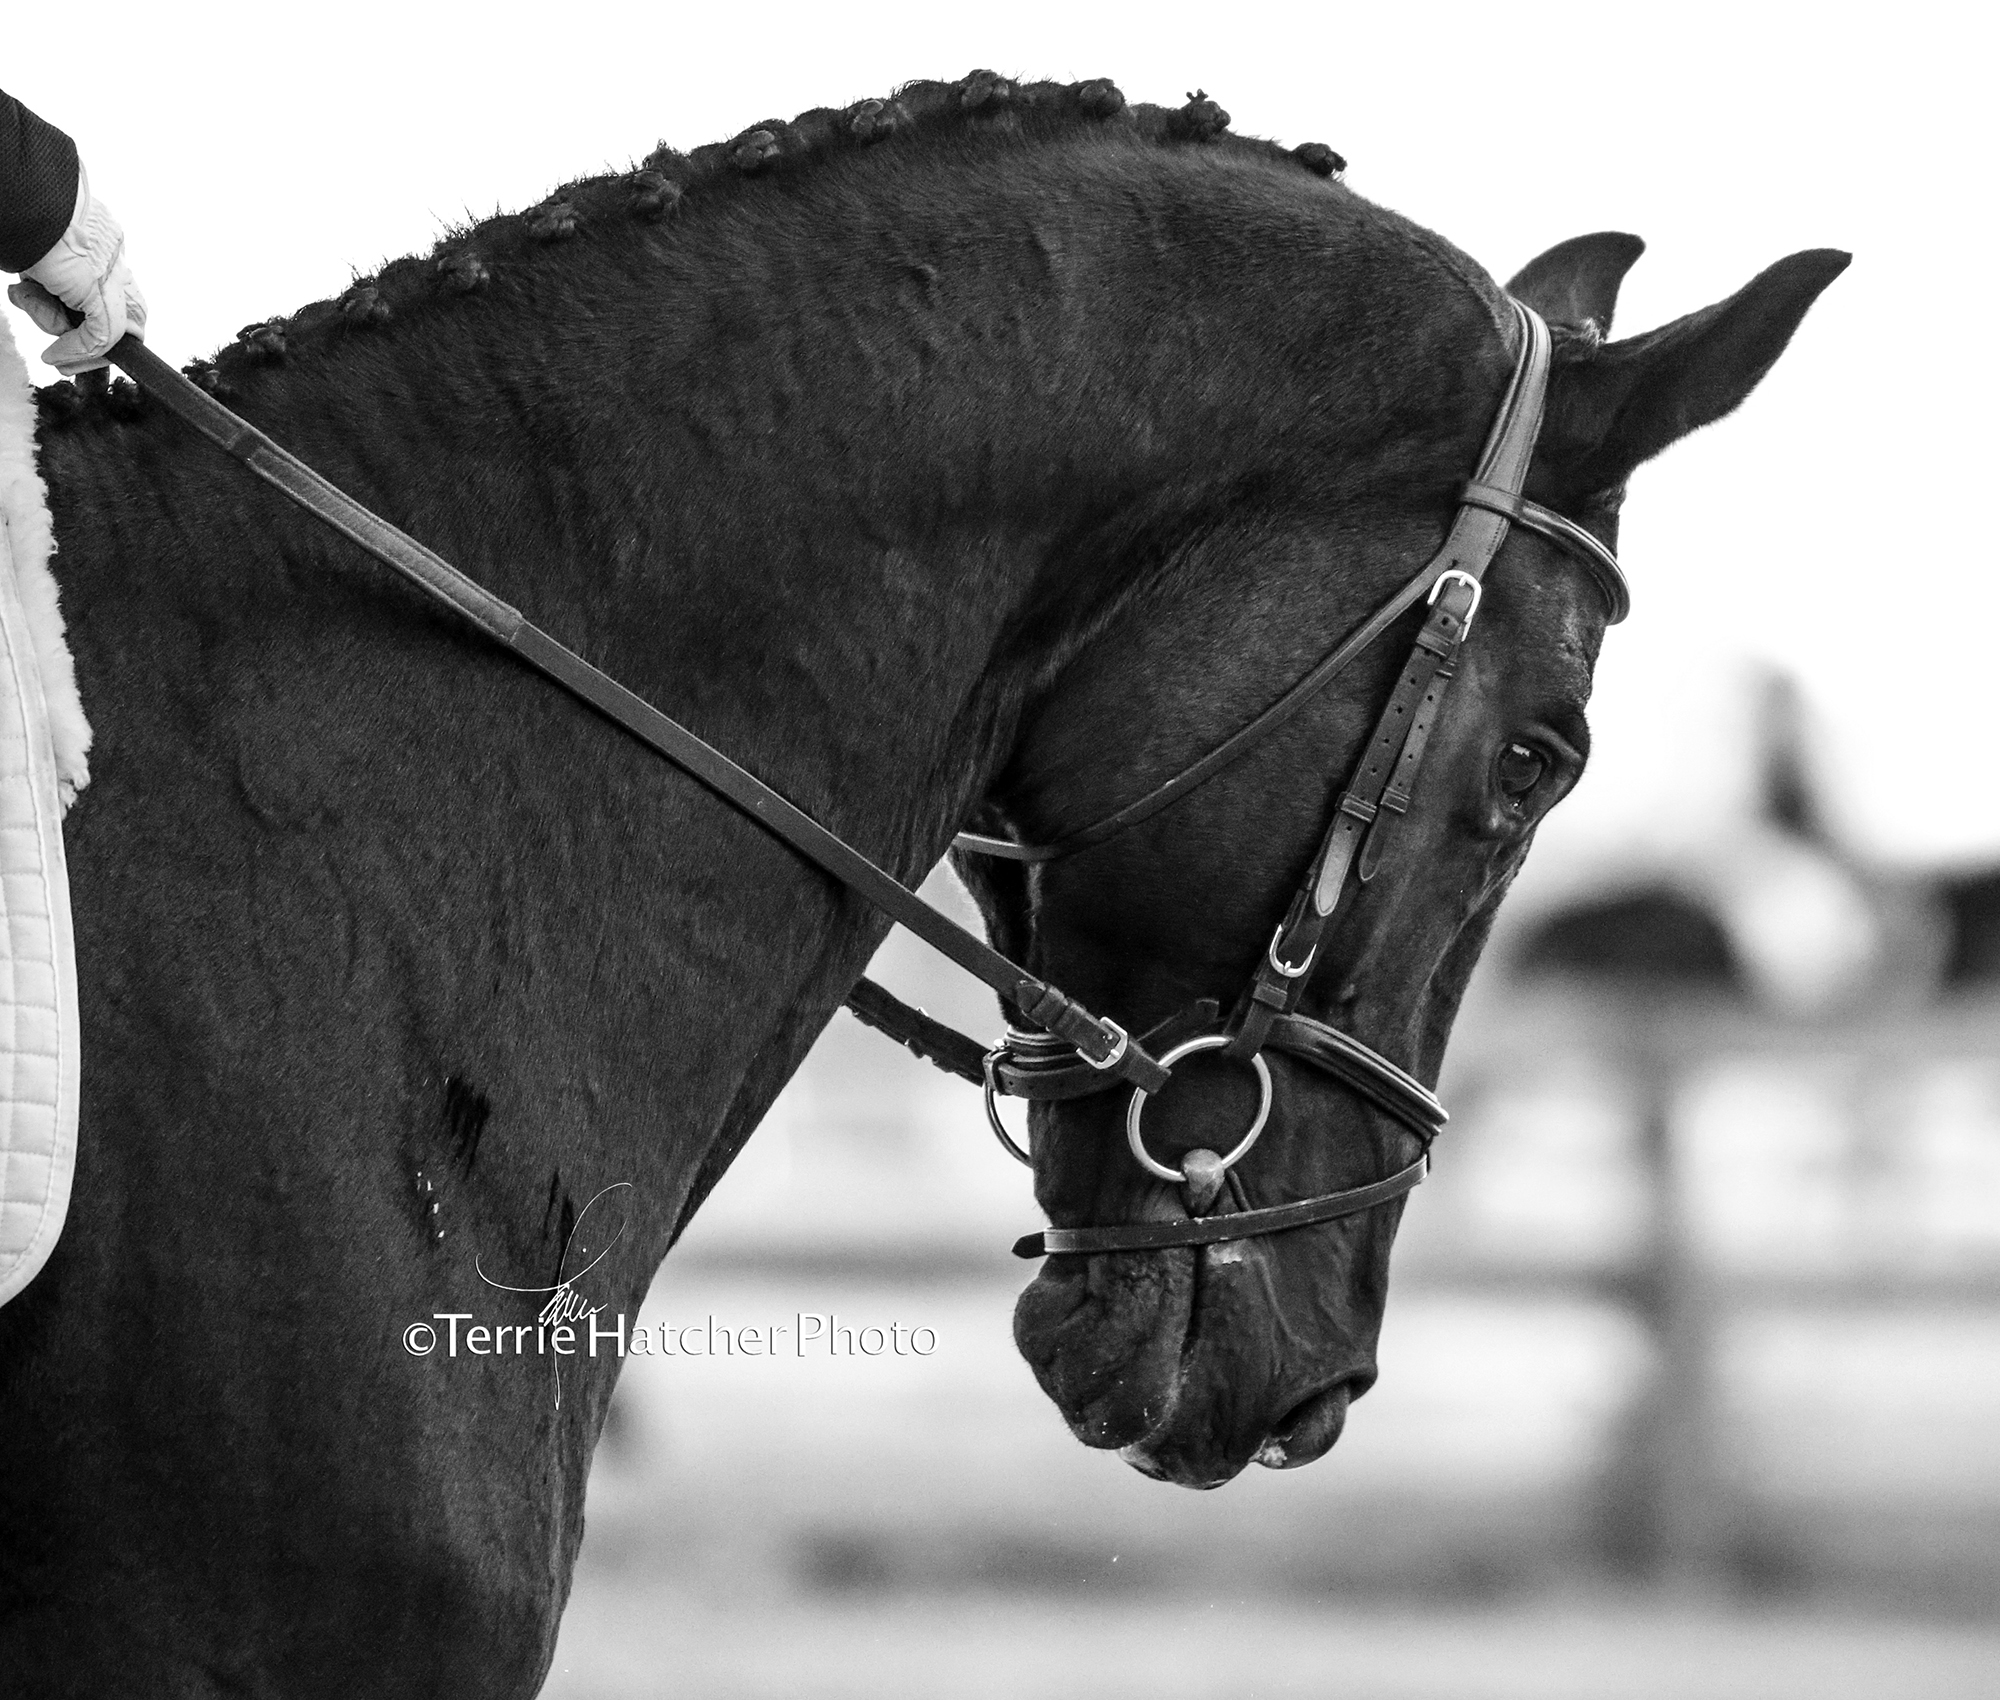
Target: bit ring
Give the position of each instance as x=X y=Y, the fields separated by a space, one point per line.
x=1137 y=1108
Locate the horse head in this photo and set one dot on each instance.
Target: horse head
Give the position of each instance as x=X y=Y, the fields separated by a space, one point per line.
x=1195 y=1360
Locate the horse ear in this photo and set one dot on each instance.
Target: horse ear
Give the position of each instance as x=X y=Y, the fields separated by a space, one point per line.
x=1626 y=403
x=1578 y=280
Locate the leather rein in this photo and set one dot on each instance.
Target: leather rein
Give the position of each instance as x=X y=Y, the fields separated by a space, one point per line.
x=1064 y=1050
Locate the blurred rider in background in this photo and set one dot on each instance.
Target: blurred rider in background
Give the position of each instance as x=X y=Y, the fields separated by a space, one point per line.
x=67 y=247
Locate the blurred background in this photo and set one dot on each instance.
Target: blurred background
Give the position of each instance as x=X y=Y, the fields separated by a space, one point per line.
x=1691 y=1372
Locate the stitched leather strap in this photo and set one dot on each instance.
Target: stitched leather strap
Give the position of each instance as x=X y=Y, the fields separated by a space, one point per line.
x=1363 y=1069
x=1039 y=1003
x=1213 y=1230
x=1390 y=756
x=1603 y=565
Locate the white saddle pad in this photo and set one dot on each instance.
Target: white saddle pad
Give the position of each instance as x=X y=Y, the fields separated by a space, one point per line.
x=38 y=1015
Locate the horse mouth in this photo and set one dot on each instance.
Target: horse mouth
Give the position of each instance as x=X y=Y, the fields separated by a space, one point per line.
x=1108 y=1338
x=1304 y=1434
x=1156 y=1356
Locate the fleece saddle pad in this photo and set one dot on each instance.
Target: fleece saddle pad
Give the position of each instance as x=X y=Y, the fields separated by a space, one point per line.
x=38 y=1014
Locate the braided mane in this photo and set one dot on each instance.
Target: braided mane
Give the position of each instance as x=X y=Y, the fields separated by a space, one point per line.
x=669 y=185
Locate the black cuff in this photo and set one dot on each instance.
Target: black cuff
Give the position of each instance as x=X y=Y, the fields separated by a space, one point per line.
x=38 y=179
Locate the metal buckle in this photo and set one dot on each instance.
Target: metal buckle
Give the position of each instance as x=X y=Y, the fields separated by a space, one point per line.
x=1478 y=590
x=1137 y=1108
x=1117 y=1051
x=1285 y=968
x=991 y=1062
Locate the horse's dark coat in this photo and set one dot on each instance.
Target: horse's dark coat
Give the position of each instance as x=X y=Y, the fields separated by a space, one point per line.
x=844 y=464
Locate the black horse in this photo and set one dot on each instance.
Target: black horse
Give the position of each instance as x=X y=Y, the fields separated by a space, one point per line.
x=985 y=453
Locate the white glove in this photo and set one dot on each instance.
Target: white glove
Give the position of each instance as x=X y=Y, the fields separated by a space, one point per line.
x=85 y=270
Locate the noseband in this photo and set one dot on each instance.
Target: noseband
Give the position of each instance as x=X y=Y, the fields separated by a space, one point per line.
x=1070 y=1051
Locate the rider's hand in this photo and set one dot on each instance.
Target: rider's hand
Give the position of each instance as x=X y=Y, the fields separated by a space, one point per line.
x=85 y=272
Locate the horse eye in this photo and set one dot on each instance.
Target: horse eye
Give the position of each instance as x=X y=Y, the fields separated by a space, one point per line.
x=1520 y=770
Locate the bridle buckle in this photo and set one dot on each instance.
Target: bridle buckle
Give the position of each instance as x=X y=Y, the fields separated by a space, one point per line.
x=1117 y=1051
x=1290 y=971
x=1478 y=590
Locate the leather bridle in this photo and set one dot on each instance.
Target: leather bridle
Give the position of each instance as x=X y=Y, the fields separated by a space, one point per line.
x=1380 y=788
x=1065 y=1051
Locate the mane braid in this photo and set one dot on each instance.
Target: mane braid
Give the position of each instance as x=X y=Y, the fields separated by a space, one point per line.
x=669 y=184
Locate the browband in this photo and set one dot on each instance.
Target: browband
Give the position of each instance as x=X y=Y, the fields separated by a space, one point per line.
x=1603 y=565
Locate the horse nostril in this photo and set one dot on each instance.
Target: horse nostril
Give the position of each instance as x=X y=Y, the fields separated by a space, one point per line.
x=1309 y=1429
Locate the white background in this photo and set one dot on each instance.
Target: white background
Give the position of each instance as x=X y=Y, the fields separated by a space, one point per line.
x=1838 y=526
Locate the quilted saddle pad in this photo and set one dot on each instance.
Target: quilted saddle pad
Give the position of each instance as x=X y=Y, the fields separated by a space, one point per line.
x=39 y=1054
